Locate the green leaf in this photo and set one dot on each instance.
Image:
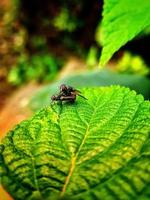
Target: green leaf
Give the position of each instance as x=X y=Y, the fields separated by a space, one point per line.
x=122 y=21
x=93 y=149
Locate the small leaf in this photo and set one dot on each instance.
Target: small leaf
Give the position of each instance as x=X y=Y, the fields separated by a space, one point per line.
x=92 y=149
x=122 y=21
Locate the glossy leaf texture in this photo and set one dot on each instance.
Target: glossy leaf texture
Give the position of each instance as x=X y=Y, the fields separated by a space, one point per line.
x=122 y=21
x=93 y=149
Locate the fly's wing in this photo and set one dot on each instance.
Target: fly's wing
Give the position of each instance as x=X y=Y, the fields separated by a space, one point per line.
x=82 y=96
x=77 y=92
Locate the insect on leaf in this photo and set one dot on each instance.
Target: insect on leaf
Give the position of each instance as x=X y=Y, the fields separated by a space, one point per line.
x=92 y=149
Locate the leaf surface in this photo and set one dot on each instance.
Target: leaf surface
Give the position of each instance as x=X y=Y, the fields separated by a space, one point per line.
x=92 y=149
x=122 y=21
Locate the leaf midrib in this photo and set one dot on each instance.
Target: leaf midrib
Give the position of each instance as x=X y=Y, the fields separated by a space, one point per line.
x=74 y=158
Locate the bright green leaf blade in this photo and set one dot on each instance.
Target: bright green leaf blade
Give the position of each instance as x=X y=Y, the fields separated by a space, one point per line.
x=122 y=21
x=93 y=149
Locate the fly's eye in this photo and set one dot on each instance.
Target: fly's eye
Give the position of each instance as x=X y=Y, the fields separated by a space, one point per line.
x=63 y=87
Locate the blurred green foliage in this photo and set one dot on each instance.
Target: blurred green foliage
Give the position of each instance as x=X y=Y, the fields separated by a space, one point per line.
x=39 y=42
x=128 y=63
x=64 y=21
x=64 y=29
x=132 y=65
x=92 y=57
x=42 y=68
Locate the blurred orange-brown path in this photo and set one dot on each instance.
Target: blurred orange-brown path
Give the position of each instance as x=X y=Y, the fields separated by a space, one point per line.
x=4 y=195
x=15 y=109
